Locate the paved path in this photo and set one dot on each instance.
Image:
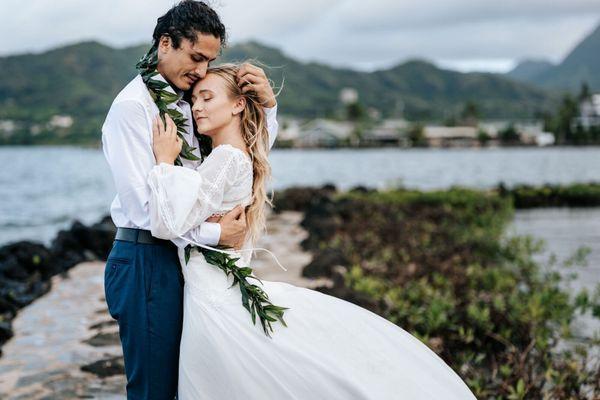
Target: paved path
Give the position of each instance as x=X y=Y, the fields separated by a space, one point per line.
x=70 y=327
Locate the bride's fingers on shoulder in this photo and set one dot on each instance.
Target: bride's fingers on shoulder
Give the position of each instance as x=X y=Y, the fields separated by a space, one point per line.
x=161 y=125
x=171 y=127
x=155 y=128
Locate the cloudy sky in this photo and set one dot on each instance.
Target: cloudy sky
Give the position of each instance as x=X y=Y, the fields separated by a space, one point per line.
x=467 y=35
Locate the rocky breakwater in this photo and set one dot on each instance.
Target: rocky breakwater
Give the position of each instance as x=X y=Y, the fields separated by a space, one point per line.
x=26 y=268
x=323 y=219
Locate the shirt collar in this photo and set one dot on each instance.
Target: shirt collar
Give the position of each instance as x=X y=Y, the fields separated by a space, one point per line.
x=170 y=88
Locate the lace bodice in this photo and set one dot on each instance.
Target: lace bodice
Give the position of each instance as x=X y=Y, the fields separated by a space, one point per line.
x=182 y=198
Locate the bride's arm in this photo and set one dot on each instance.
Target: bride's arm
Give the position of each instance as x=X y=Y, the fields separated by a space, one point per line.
x=182 y=198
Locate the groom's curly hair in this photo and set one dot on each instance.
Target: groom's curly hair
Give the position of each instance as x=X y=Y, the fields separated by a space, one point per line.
x=185 y=20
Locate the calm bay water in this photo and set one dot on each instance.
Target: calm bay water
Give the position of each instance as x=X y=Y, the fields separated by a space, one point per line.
x=43 y=189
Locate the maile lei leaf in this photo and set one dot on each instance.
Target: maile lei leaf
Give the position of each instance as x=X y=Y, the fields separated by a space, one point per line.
x=147 y=67
x=254 y=298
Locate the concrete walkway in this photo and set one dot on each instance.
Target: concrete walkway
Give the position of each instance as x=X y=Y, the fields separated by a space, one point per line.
x=70 y=327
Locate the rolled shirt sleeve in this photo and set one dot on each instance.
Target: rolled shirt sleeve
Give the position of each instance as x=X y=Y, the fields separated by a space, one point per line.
x=272 y=124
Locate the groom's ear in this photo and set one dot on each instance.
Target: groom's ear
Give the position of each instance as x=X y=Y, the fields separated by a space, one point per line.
x=165 y=43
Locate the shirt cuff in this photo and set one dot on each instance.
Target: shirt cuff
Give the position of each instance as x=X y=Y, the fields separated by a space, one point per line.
x=270 y=111
x=210 y=232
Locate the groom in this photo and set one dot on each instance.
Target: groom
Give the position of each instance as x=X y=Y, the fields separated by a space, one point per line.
x=143 y=280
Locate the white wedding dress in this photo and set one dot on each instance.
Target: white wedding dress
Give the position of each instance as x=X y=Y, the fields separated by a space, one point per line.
x=331 y=349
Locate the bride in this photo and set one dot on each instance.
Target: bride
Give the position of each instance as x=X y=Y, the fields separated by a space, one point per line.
x=322 y=347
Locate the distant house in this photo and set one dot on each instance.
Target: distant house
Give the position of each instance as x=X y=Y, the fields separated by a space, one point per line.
x=533 y=133
x=290 y=129
x=492 y=128
x=545 y=139
x=589 y=112
x=60 y=121
x=451 y=136
x=389 y=132
x=325 y=133
x=530 y=131
x=7 y=128
x=348 y=95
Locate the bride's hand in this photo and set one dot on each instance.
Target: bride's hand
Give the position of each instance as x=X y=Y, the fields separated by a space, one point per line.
x=166 y=143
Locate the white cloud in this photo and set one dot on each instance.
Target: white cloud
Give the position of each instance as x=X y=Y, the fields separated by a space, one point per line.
x=401 y=14
x=361 y=34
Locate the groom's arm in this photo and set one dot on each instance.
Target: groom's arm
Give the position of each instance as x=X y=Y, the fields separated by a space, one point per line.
x=272 y=124
x=253 y=78
x=127 y=146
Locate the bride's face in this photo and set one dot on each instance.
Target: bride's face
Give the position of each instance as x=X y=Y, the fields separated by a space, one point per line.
x=213 y=108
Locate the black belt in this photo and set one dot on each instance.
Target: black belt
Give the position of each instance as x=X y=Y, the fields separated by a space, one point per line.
x=139 y=236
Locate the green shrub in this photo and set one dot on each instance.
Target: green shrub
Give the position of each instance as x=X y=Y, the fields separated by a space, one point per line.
x=439 y=265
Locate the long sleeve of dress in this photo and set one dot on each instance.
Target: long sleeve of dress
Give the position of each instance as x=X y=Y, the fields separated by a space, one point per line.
x=127 y=146
x=182 y=198
x=209 y=233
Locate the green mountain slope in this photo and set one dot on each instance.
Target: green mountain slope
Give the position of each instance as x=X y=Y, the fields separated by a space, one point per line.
x=529 y=69
x=582 y=64
x=82 y=79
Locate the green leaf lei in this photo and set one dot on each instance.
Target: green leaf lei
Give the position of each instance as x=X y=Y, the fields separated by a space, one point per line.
x=162 y=98
x=254 y=299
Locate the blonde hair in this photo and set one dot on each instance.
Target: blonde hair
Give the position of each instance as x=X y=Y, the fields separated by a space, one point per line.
x=256 y=136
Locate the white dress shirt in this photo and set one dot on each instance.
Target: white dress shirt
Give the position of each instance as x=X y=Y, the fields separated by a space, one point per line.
x=127 y=146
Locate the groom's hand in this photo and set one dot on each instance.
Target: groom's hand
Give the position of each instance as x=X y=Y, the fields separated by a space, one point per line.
x=233 y=228
x=253 y=78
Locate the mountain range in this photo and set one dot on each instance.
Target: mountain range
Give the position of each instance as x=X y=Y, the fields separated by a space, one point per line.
x=81 y=80
x=582 y=64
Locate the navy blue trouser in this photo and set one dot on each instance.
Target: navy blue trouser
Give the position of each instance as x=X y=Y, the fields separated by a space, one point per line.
x=144 y=292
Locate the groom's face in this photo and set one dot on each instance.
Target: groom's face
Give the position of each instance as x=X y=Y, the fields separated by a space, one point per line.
x=183 y=66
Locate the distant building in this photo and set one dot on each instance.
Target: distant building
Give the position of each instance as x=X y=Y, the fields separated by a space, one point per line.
x=533 y=133
x=289 y=129
x=397 y=133
x=348 y=95
x=60 y=121
x=492 y=128
x=7 y=128
x=545 y=139
x=388 y=132
x=325 y=133
x=589 y=112
x=451 y=136
x=530 y=131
